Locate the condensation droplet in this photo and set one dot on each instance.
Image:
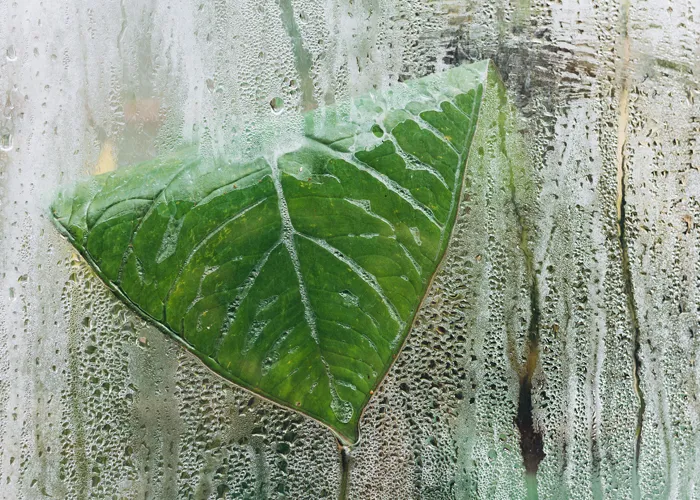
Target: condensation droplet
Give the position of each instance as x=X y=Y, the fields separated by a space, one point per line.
x=342 y=409
x=277 y=105
x=11 y=53
x=5 y=141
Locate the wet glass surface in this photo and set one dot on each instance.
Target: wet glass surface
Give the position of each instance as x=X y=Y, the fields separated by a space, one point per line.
x=581 y=295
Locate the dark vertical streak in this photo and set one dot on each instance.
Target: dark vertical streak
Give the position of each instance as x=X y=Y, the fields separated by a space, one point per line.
x=565 y=335
x=634 y=320
x=302 y=57
x=531 y=439
x=628 y=283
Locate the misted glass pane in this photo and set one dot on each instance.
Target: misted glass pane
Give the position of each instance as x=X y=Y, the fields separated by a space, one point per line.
x=392 y=249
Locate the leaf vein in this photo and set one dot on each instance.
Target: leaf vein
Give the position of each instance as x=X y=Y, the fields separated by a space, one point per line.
x=361 y=272
x=125 y=256
x=199 y=245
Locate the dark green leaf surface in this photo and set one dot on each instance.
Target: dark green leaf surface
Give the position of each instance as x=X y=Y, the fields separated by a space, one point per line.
x=296 y=275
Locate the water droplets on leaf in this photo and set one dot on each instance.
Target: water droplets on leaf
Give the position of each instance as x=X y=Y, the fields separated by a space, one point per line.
x=416 y=235
x=274 y=354
x=169 y=242
x=341 y=408
x=253 y=334
x=349 y=385
x=349 y=299
x=266 y=303
x=140 y=272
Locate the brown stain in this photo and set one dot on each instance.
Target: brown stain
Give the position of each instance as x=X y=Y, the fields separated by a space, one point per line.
x=531 y=439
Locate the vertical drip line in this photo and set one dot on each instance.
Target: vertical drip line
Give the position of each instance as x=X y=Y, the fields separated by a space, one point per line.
x=622 y=172
x=344 y=471
x=531 y=439
x=303 y=61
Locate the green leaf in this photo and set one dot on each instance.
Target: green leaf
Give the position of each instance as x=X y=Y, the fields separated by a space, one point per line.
x=297 y=275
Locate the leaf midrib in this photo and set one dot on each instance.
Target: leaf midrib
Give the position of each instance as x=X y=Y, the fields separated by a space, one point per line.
x=288 y=233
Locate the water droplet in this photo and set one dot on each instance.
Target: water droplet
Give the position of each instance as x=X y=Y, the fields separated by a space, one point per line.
x=169 y=242
x=11 y=53
x=277 y=105
x=5 y=140
x=349 y=299
x=416 y=235
x=342 y=409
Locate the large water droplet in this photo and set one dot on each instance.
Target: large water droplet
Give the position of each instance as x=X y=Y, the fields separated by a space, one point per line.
x=277 y=105
x=11 y=53
x=342 y=409
x=5 y=140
